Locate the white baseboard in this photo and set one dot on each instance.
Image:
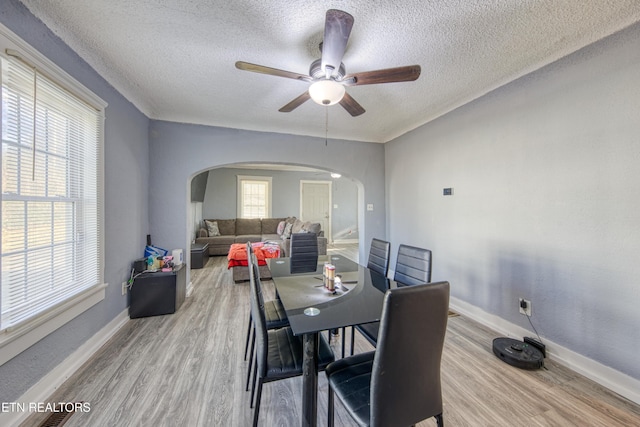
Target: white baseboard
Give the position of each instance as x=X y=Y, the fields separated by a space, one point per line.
x=343 y=241
x=44 y=388
x=615 y=381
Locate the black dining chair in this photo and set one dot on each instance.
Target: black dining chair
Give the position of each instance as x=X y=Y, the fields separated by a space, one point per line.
x=398 y=384
x=303 y=252
x=274 y=313
x=379 y=256
x=278 y=352
x=378 y=262
x=413 y=267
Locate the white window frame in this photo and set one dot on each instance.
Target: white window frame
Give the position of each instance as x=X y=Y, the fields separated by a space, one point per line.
x=14 y=340
x=265 y=179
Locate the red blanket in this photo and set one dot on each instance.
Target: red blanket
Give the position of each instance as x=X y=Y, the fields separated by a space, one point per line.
x=238 y=253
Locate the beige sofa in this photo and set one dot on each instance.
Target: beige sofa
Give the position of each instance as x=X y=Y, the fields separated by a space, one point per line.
x=243 y=230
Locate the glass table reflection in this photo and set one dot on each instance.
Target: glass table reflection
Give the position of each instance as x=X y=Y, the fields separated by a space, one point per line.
x=311 y=308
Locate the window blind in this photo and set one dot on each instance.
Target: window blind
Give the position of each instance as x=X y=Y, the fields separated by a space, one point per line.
x=254 y=199
x=50 y=194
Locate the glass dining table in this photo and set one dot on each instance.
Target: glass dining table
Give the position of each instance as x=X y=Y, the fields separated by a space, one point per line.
x=312 y=308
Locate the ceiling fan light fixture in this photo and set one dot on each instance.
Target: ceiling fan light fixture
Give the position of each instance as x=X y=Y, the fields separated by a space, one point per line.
x=326 y=92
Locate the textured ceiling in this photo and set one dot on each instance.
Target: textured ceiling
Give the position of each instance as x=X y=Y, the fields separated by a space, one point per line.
x=174 y=59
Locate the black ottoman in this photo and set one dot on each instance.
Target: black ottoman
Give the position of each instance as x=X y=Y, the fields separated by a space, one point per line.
x=199 y=255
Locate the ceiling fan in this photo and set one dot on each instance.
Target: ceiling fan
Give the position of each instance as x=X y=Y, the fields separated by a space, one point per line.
x=328 y=76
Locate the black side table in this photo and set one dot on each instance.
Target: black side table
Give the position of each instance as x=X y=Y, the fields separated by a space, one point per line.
x=155 y=294
x=199 y=255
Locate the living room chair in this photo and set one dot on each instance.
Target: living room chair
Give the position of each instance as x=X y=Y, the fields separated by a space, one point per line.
x=278 y=352
x=413 y=266
x=275 y=316
x=379 y=262
x=304 y=252
x=398 y=384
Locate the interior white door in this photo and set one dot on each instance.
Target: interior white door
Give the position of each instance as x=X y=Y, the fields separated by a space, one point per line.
x=315 y=204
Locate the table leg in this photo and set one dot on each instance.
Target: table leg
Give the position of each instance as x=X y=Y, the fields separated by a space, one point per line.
x=310 y=379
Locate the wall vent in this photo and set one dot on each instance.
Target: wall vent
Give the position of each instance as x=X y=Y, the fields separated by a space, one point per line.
x=58 y=419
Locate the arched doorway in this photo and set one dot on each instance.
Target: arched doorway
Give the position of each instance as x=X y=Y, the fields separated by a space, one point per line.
x=214 y=194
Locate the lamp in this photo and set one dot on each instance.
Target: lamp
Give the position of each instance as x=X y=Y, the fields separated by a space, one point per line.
x=326 y=92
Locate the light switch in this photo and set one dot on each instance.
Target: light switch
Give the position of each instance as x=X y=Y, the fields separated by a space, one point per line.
x=335 y=206
x=370 y=206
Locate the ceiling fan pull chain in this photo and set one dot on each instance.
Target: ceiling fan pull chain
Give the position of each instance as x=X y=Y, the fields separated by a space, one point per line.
x=326 y=124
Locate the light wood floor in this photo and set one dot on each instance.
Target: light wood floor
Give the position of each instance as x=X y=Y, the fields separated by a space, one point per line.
x=187 y=369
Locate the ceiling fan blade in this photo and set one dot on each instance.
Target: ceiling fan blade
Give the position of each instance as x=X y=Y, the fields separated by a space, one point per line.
x=295 y=103
x=388 y=75
x=247 y=66
x=337 y=28
x=351 y=105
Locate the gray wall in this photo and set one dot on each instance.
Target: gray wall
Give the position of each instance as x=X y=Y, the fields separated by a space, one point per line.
x=220 y=199
x=126 y=185
x=176 y=155
x=344 y=219
x=546 y=179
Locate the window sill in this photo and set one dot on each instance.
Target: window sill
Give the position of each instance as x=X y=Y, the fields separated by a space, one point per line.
x=15 y=340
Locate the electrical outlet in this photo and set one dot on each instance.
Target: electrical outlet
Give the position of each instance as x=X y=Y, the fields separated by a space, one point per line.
x=124 y=288
x=524 y=306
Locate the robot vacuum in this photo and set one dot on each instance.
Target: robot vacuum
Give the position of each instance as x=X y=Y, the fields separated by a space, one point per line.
x=517 y=353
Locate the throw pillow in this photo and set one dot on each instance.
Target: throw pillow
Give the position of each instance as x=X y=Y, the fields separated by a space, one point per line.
x=314 y=228
x=290 y=220
x=297 y=226
x=287 y=231
x=280 y=228
x=212 y=228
